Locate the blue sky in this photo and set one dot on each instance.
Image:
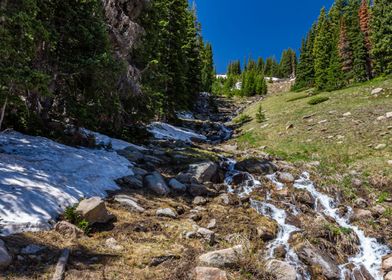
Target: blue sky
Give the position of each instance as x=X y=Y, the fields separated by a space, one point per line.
x=238 y=29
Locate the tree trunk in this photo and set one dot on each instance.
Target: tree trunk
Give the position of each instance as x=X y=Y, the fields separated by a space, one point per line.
x=3 y=112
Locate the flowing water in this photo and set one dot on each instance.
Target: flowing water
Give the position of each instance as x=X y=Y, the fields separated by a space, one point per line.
x=370 y=253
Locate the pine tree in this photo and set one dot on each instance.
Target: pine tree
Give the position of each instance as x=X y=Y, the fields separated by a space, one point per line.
x=208 y=69
x=381 y=36
x=260 y=65
x=345 y=51
x=288 y=63
x=364 y=23
x=322 y=51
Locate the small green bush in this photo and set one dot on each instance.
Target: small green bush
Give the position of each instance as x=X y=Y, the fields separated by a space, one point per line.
x=260 y=116
x=243 y=118
x=71 y=216
x=317 y=100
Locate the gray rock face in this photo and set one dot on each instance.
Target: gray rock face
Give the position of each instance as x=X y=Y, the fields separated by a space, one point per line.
x=313 y=256
x=177 y=186
x=125 y=33
x=222 y=258
x=129 y=203
x=281 y=270
x=256 y=166
x=203 y=172
x=94 y=210
x=210 y=273
x=5 y=257
x=155 y=182
x=166 y=212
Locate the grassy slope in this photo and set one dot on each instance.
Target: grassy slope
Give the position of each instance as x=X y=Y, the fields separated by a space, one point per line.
x=340 y=144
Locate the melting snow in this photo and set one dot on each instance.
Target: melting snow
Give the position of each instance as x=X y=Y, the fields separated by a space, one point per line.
x=166 y=131
x=39 y=178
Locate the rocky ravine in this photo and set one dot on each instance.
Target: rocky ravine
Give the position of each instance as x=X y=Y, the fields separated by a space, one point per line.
x=200 y=209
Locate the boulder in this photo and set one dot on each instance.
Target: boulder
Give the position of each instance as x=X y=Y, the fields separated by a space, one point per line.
x=256 y=166
x=222 y=258
x=203 y=172
x=166 y=212
x=68 y=230
x=266 y=233
x=93 y=210
x=210 y=273
x=198 y=190
x=281 y=270
x=155 y=182
x=388 y=276
x=314 y=257
x=387 y=263
x=5 y=257
x=131 y=182
x=177 y=186
x=129 y=203
x=285 y=177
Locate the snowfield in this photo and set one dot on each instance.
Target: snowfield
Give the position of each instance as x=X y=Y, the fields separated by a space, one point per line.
x=166 y=131
x=39 y=178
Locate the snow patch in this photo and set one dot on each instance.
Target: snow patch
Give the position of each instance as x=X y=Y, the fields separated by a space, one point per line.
x=166 y=131
x=39 y=178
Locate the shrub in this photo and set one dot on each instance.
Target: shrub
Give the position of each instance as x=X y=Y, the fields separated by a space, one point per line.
x=243 y=118
x=260 y=115
x=71 y=216
x=317 y=100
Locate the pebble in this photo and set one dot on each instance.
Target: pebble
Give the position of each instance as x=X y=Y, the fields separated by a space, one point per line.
x=380 y=146
x=348 y=114
x=166 y=212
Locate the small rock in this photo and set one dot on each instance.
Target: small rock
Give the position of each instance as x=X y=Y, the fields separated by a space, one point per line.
x=112 y=243
x=389 y=162
x=285 y=177
x=5 y=257
x=210 y=273
x=361 y=203
x=177 y=186
x=356 y=183
x=166 y=212
x=381 y=118
x=129 y=203
x=199 y=200
x=198 y=190
x=32 y=249
x=378 y=210
x=380 y=147
x=290 y=126
x=203 y=172
x=361 y=215
x=280 y=252
x=93 y=210
x=340 y=137
x=348 y=114
x=388 y=276
x=207 y=235
x=155 y=182
x=377 y=91
x=190 y=235
x=212 y=224
x=323 y=121
x=68 y=230
x=222 y=258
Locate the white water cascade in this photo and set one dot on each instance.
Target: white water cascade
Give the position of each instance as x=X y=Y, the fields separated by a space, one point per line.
x=371 y=251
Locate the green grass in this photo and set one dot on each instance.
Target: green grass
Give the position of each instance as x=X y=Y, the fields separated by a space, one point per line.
x=321 y=132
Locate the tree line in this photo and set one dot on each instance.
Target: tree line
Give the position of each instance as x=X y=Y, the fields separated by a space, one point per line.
x=349 y=43
x=251 y=80
x=58 y=66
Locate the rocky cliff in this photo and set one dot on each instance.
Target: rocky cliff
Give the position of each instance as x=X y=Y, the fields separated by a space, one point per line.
x=121 y=18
